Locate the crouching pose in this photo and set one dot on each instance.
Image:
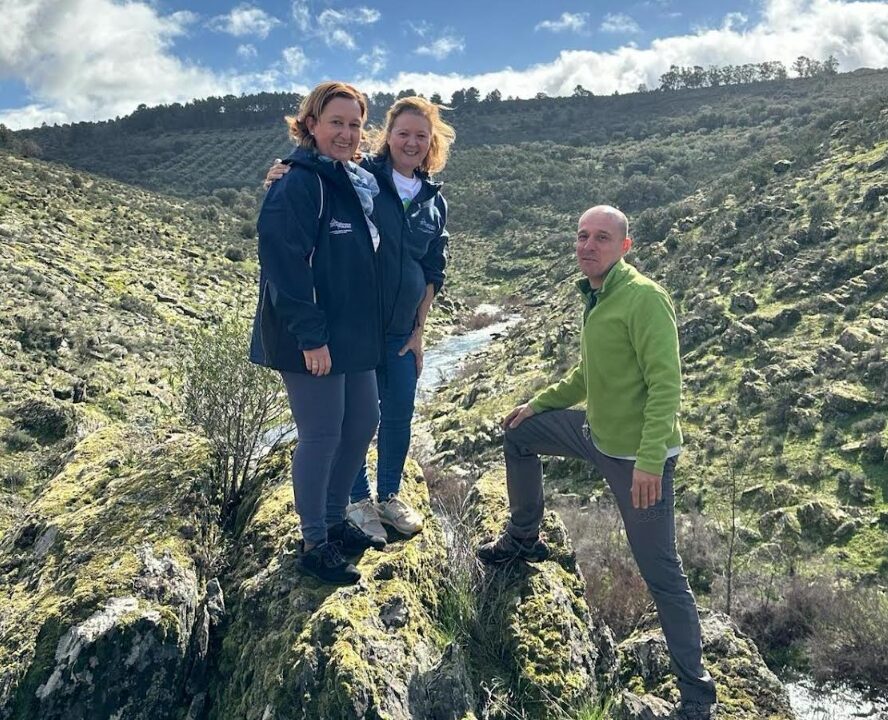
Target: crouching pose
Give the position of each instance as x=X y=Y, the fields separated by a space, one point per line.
x=630 y=379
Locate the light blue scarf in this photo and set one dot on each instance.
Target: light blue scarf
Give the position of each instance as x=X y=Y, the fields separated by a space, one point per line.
x=367 y=188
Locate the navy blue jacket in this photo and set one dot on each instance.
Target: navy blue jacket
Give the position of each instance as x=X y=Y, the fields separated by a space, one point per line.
x=412 y=245
x=318 y=279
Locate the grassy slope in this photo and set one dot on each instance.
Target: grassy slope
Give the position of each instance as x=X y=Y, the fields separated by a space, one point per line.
x=793 y=423
x=102 y=284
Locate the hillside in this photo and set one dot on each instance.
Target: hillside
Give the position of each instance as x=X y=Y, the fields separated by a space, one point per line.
x=761 y=208
x=208 y=153
x=780 y=280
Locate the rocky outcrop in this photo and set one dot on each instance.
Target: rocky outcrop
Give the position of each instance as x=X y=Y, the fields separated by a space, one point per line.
x=538 y=617
x=295 y=648
x=747 y=690
x=104 y=610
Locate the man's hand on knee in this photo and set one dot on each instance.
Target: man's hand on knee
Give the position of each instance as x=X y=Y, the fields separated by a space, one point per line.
x=647 y=489
x=518 y=416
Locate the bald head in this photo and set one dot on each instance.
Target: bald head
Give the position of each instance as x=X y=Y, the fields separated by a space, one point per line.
x=602 y=239
x=615 y=219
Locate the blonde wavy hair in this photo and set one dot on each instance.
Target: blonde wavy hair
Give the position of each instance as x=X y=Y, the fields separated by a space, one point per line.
x=442 y=134
x=313 y=105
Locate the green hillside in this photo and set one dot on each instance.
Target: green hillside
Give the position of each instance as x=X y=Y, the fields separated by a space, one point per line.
x=762 y=208
x=212 y=149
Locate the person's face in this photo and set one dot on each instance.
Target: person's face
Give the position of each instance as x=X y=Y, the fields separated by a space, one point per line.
x=409 y=142
x=337 y=131
x=600 y=243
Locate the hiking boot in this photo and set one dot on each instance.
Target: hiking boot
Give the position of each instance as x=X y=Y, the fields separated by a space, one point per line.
x=351 y=539
x=325 y=562
x=396 y=513
x=506 y=548
x=365 y=515
x=691 y=710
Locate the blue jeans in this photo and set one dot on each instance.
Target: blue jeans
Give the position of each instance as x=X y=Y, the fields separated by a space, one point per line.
x=397 y=395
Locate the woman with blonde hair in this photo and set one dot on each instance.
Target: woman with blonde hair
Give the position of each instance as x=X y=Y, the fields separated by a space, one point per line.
x=318 y=320
x=411 y=215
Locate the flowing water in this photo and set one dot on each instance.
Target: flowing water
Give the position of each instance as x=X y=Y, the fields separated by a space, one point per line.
x=442 y=362
x=836 y=703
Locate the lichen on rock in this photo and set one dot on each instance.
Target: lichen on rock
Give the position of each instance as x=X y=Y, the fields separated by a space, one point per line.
x=103 y=590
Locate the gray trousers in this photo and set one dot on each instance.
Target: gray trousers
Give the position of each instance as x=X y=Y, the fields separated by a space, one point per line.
x=651 y=532
x=335 y=416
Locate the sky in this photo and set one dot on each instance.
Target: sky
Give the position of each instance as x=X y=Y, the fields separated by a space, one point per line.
x=72 y=60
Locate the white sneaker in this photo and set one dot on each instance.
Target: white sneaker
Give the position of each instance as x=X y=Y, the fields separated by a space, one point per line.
x=395 y=512
x=365 y=515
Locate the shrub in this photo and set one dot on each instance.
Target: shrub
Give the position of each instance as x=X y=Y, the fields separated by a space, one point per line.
x=14 y=478
x=132 y=304
x=235 y=254
x=232 y=400
x=44 y=420
x=247 y=230
x=39 y=334
x=17 y=440
x=615 y=590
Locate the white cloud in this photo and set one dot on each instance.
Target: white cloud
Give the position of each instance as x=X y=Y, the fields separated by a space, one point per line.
x=856 y=33
x=94 y=59
x=421 y=27
x=245 y=20
x=332 y=24
x=734 y=20
x=301 y=14
x=442 y=47
x=247 y=52
x=295 y=60
x=375 y=60
x=619 y=23
x=573 y=22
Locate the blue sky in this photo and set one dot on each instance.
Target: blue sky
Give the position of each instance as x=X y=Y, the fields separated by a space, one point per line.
x=69 y=60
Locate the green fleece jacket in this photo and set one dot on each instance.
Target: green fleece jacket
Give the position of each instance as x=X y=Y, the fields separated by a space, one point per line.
x=629 y=372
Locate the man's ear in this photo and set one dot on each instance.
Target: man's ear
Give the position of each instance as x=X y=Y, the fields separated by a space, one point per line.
x=627 y=244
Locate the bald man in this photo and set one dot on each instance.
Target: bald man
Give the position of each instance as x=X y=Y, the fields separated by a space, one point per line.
x=629 y=376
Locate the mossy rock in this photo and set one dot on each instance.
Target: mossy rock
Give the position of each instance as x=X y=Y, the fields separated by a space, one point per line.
x=296 y=648
x=537 y=615
x=104 y=591
x=746 y=689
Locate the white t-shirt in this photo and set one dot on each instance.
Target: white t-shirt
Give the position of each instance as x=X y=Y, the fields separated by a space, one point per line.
x=407 y=187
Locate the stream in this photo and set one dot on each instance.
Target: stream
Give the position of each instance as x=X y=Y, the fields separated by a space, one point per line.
x=442 y=362
x=833 y=703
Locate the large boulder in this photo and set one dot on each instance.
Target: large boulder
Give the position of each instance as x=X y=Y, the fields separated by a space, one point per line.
x=105 y=612
x=537 y=616
x=747 y=690
x=297 y=648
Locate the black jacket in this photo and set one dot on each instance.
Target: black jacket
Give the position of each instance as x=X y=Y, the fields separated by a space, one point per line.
x=317 y=284
x=412 y=245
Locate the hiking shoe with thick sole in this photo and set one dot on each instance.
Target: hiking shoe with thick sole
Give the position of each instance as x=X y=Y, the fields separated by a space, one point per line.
x=325 y=562
x=365 y=515
x=400 y=516
x=351 y=539
x=507 y=548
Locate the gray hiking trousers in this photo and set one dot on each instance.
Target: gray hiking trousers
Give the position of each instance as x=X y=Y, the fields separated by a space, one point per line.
x=651 y=532
x=336 y=416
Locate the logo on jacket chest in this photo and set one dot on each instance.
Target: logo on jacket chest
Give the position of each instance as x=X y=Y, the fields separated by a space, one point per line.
x=337 y=227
